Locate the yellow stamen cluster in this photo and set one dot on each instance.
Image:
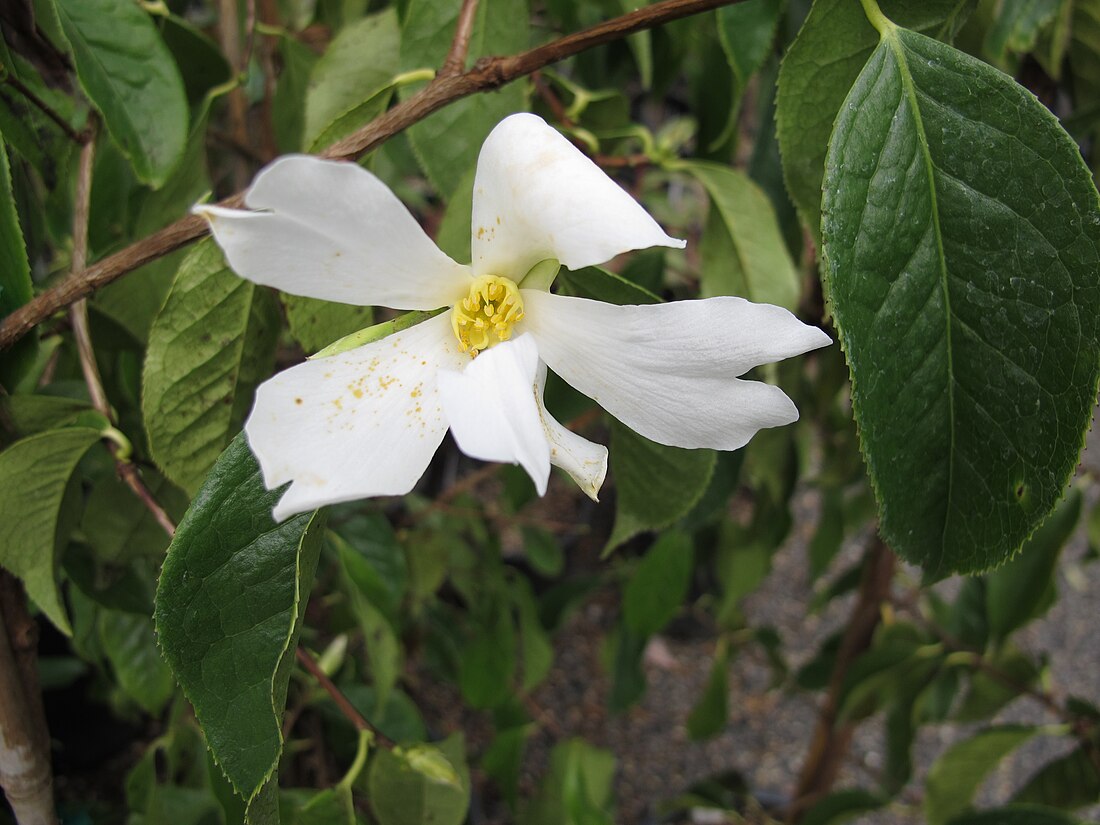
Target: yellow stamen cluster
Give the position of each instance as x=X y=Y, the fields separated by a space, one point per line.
x=486 y=316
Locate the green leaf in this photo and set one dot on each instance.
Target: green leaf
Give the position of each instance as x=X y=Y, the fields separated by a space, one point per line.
x=447 y=142
x=603 y=285
x=535 y=646
x=746 y=32
x=34 y=477
x=15 y=276
x=659 y=584
x=315 y=323
x=1068 y=782
x=359 y=63
x=228 y=613
x=962 y=234
x=131 y=648
x=955 y=776
x=576 y=790
x=817 y=72
x=383 y=647
x=424 y=783
x=488 y=659
x=655 y=485
x=711 y=712
x=1017 y=815
x=742 y=248
x=212 y=342
x=623 y=652
x=843 y=806
x=288 y=102
x=120 y=527
x=130 y=76
x=1017 y=25
x=1023 y=589
x=204 y=65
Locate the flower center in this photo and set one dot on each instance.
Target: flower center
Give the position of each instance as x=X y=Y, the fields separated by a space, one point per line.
x=486 y=316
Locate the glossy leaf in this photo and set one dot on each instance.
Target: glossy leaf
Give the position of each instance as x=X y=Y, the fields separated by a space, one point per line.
x=228 y=613
x=212 y=342
x=742 y=248
x=34 y=477
x=818 y=70
x=130 y=76
x=962 y=234
x=655 y=485
x=955 y=776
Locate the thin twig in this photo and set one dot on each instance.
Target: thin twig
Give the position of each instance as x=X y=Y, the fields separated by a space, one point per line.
x=345 y=706
x=78 y=315
x=44 y=107
x=455 y=61
x=830 y=740
x=487 y=74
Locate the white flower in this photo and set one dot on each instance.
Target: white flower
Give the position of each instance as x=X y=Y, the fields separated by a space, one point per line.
x=366 y=422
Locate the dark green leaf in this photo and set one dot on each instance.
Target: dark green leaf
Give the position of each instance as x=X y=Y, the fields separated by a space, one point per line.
x=842 y=806
x=659 y=584
x=34 y=476
x=130 y=647
x=817 y=72
x=602 y=285
x=315 y=323
x=15 y=276
x=211 y=343
x=130 y=76
x=1069 y=782
x=711 y=712
x=955 y=776
x=488 y=660
x=962 y=234
x=1023 y=589
x=746 y=32
x=624 y=651
x=576 y=789
x=228 y=613
x=655 y=485
x=1017 y=25
x=1016 y=815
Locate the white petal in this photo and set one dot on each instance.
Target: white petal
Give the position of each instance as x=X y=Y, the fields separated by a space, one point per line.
x=492 y=409
x=334 y=231
x=536 y=197
x=668 y=371
x=362 y=423
x=584 y=460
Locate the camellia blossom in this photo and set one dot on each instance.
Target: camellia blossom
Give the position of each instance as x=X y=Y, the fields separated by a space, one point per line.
x=367 y=421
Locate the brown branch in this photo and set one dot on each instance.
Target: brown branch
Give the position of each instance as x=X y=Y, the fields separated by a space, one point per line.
x=830 y=740
x=342 y=702
x=488 y=73
x=455 y=61
x=78 y=315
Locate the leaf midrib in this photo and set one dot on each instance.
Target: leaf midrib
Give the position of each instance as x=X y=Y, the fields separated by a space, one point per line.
x=892 y=39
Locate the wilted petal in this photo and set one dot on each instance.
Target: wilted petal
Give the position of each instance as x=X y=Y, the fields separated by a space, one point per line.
x=362 y=423
x=536 y=197
x=584 y=460
x=334 y=231
x=492 y=408
x=668 y=371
